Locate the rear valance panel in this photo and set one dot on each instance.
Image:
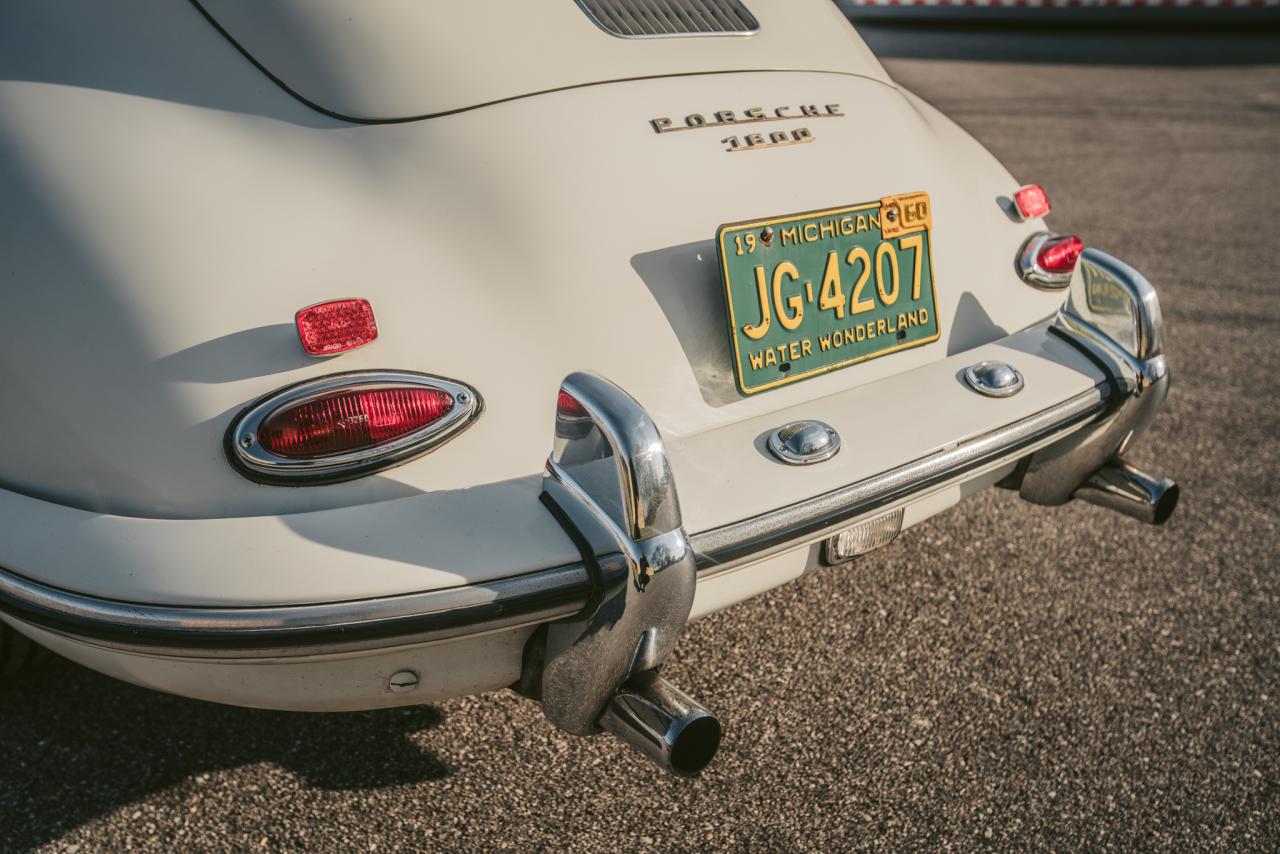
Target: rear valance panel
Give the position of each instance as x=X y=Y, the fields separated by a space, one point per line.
x=388 y=60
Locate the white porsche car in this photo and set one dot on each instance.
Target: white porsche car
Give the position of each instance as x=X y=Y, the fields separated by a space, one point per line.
x=364 y=354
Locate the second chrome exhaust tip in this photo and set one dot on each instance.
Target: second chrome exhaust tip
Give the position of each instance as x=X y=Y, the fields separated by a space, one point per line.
x=1121 y=487
x=664 y=724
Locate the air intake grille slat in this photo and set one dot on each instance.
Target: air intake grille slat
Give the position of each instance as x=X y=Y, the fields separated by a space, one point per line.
x=647 y=19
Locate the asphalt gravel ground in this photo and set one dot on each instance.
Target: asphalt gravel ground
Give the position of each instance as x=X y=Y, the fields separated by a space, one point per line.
x=1003 y=676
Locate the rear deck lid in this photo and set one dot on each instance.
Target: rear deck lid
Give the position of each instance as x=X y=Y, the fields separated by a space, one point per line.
x=392 y=60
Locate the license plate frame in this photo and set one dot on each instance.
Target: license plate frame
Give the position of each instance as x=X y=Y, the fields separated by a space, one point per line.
x=780 y=301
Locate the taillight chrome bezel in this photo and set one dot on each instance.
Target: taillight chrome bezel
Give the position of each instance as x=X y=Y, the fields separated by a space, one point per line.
x=251 y=459
x=1029 y=263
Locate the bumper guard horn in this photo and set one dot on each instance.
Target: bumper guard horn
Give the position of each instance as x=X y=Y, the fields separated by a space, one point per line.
x=609 y=484
x=1113 y=315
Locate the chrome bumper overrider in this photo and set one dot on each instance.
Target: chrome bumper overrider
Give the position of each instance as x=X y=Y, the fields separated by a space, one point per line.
x=1113 y=315
x=610 y=620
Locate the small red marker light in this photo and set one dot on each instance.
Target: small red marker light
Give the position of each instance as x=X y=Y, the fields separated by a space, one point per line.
x=1060 y=256
x=336 y=326
x=1031 y=201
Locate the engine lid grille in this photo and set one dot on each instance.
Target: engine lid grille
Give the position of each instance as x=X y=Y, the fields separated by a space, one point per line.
x=647 y=19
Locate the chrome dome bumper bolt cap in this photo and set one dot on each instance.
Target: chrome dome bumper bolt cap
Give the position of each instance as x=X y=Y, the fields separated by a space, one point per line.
x=801 y=443
x=994 y=379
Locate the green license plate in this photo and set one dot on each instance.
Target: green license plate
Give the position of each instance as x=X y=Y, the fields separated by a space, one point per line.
x=814 y=292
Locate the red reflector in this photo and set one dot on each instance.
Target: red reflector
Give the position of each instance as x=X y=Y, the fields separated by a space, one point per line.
x=1060 y=256
x=332 y=327
x=568 y=405
x=351 y=420
x=1031 y=201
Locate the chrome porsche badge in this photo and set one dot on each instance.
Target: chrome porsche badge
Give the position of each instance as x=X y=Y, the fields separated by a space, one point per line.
x=753 y=115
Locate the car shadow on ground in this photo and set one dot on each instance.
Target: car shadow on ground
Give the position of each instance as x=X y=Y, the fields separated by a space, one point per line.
x=71 y=748
x=1079 y=44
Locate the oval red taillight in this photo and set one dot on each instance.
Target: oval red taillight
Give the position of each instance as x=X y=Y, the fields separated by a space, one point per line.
x=347 y=425
x=351 y=420
x=1061 y=255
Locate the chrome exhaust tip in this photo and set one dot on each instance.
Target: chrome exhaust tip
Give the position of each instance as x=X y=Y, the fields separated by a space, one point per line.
x=664 y=724
x=1121 y=487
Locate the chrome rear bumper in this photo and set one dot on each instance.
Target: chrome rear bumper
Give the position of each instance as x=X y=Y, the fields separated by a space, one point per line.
x=549 y=594
x=1059 y=449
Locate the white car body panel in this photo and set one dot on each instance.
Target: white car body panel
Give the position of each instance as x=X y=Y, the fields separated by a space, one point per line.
x=275 y=215
x=330 y=683
x=395 y=59
x=444 y=539
x=167 y=208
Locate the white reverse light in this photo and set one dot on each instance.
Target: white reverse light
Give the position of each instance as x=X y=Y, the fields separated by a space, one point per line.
x=863 y=537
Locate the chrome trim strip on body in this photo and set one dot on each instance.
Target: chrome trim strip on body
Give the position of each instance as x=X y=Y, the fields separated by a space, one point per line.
x=534 y=597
